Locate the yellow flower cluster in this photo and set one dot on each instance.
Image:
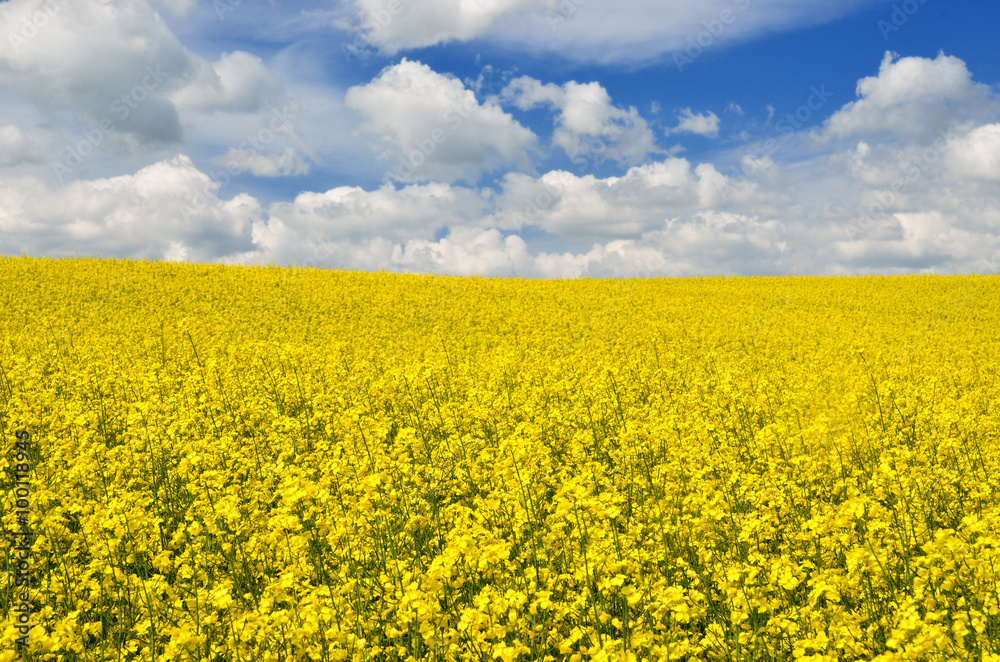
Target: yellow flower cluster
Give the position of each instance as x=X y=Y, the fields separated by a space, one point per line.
x=264 y=463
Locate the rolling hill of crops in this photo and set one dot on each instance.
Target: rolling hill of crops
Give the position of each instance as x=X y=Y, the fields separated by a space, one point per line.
x=264 y=463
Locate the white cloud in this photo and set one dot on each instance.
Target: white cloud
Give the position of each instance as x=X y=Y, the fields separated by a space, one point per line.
x=237 y=82
x=349 y=226
x=705 y=124
x=168 y=204
x=466 y=251
x=116 y=65
x=562 y=203
x=588 y=125
x=430 y=127
x=673 y=218
x=590 y=30
x=412 y=24
x=664 y=218
x=906 y=205
x=107 y=60
x=873 y=204
x=912 y=98
x=706 y=243
x=920 y=241
x=276 y=141
x=977 y=155
x=349 y=212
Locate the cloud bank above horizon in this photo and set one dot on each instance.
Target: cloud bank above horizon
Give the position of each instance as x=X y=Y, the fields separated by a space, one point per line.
x=165 y=130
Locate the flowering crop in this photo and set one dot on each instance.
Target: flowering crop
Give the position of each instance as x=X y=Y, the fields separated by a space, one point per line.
x=263 y=463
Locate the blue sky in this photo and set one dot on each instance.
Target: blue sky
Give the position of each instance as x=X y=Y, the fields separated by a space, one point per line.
x=538 y=138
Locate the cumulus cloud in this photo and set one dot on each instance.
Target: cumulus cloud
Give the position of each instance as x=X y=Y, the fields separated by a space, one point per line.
x=914 y=241
x=428 y=126
x=237 y=82
x=918 y=206
x=595 y=30
x=107 y=60
x=348 y=212
x=410 y=24
x=913 y=98
x=671 y=217
x=588 y=125
x=666 y=218
x=117 y=66
x=706 y=243
x=976 y=155
x=705 y=124
x=887 y=205
x=168 y=206
x=587 y=206
x=267 y=143
x=466 y=251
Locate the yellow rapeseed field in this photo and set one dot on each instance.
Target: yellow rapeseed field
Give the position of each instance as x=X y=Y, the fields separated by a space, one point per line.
x=264 y=463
